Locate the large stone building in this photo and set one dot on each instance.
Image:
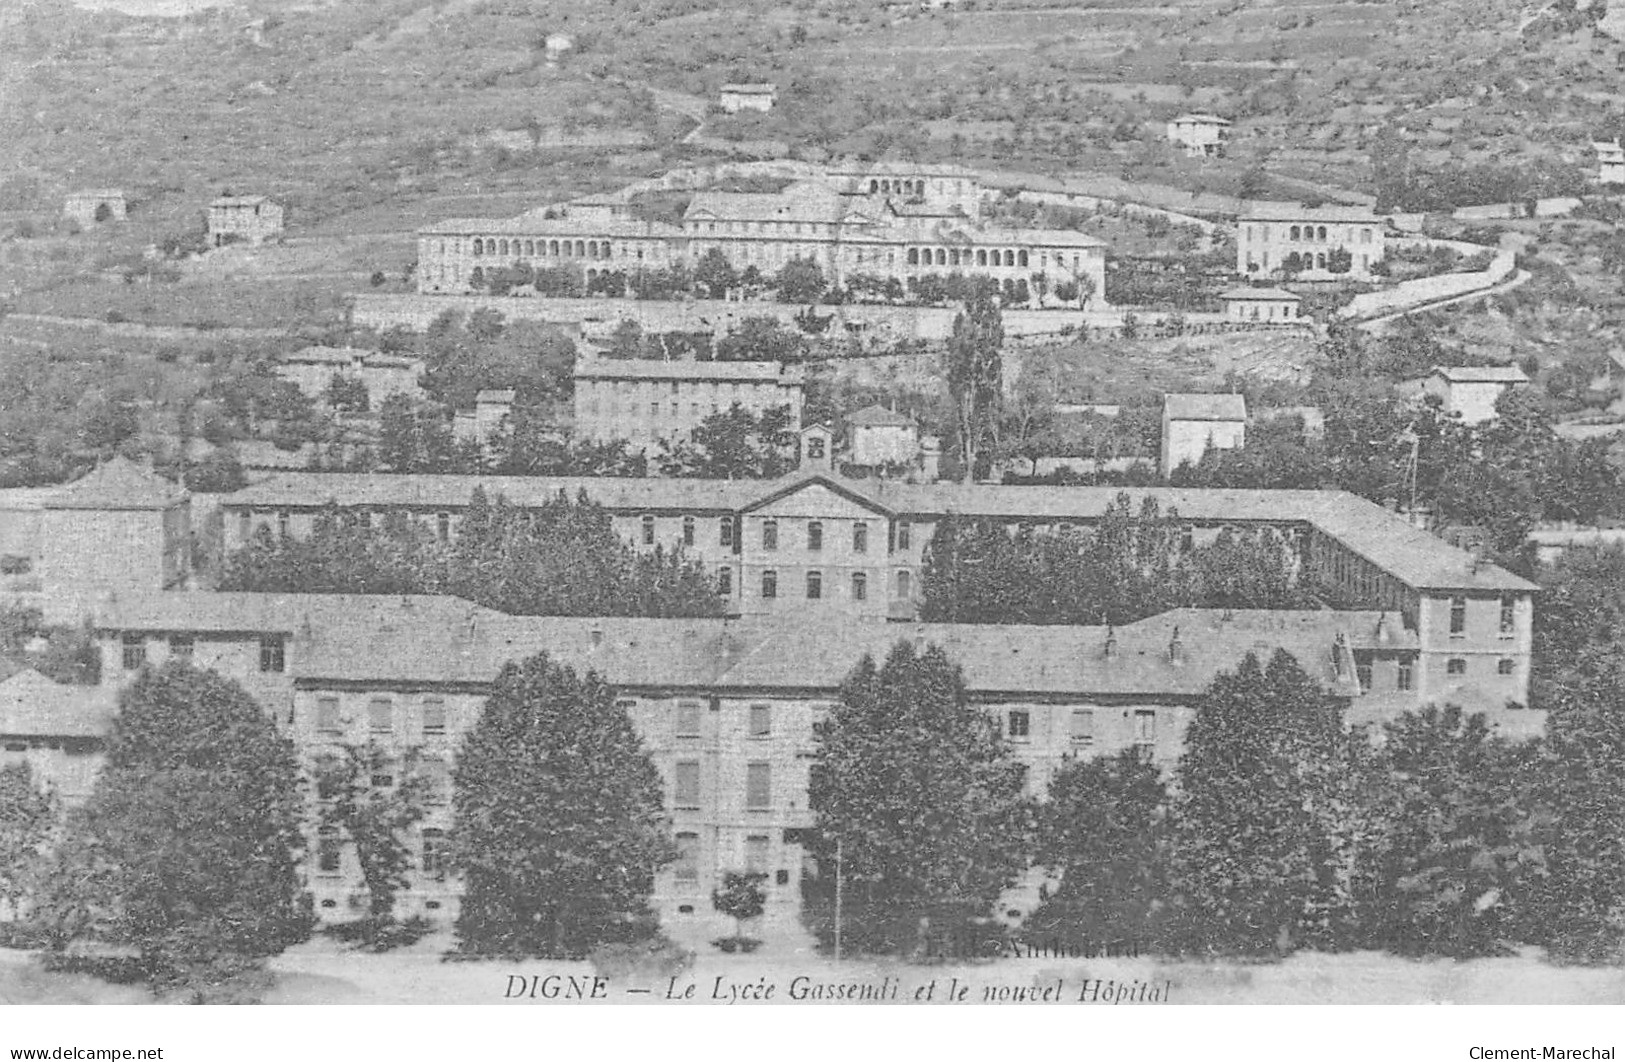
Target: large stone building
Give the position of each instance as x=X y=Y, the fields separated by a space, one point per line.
x=728 y=709
x=646 y=402
x=815 y=544
x=243 y=218
x=121 y=526
x=1287 y=238
x=58 y=730
x=883 y=220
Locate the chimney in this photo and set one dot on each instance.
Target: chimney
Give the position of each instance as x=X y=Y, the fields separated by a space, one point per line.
x=1176 y=649
x=1111 y=642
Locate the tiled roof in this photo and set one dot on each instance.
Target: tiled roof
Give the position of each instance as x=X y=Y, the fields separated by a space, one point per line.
x=118 y=484
x=497 y=395
x=1281 y=211
x=32 y=705
x=535 y=223
x=416 y=640
x=1205 y=407
x=1205 y=119
x=239 y=200
x=802 y=202
x=648 y=369
x=323 y=356
x=878 y=416
x=1408 y=553
x=1509 y=374
x=97 y=193
x=1259 y=295
x=752 y=89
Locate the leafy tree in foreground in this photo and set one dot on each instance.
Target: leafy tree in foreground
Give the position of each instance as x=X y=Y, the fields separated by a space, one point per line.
x=923 y=798
x=27 y=816
x=374 y=819
x=974 y=369
x=735 y=444
x=560 y=818
x=187 y=849
x=1451 y=853
x=1103 y=828
x=1256 y=864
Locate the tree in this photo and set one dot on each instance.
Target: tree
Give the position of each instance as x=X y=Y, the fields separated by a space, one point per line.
x=974 y=371
x=741 y=898
x=761 y=339
x=924 y=848
x=800 y=280
x=560 y=819
x=1450 y=852
x=1104 y=828
x=414 y=437
x=1339 y=260
x=374 y=819
x=735 y=444
x=715 y=273
x=27 y=818
x=187 y=849
x=219 y=473
x=1255 y=866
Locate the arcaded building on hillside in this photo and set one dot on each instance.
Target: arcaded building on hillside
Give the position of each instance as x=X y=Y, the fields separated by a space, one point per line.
x=883 y=220
x=1272 y=237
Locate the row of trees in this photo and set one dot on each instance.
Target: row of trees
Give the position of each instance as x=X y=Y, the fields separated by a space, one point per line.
x=1128 y=566
x=561 y=558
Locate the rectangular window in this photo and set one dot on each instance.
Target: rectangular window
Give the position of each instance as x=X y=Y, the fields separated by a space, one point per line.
x=1021 y=725
x=687 y=867
x=688 y=530
x=815 y=536
x=1504 y=666
x=1145 y=726
x=761 y=720
x=815 y=585
x=327 y=716
x=860 y=586
x=905 y=535
x=134 y=651
x=1456 y=665
x=282 y=524
x=770 y=584
x=273 y=655
x=686 y=792
x=860 y=537
x=1508 y=613
x=648 y=530
x=758 y=786
x=434 y=717
x=725 y=582
x=1458 y=615
x=328 y=851
x=436 y=857
x=1406 y=677
x=442 y=526
x=725 y=531
x=1363 y=671
x=1083 y=726
x=181 y=646
x=756 y=854
x=245 y=525
x=688 y=719
x=381 y=716
x=770 y=534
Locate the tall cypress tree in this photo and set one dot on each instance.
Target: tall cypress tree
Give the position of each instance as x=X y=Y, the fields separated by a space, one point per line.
x=1256 y=863
x=560 y=819
x=922 y=800
x=187 y=849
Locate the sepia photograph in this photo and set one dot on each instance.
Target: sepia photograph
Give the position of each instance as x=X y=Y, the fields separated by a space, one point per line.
x=1096 y=504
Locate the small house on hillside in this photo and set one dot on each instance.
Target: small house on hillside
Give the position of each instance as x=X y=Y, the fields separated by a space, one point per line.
x=243 y=218
x=877 y=436
x=748 y=97
x=1471 y=391
x=1610 y=162
x=1266 y=305
x=1201 y=135
x=92 y=206
x=1192 y=424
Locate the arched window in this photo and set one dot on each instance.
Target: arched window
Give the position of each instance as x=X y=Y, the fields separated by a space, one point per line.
x=903 y=584
x=479 y=247
x=1021 y=259
x=860 y=586
x=981 y=257
x=953 y=256
x=1322 y=235
x=1293 y=232
x=530 y=248
x=581 y=248
x=913 y=256
x=1009 y=258
x=553 y=248
x=1320 y=261
x=942 y=256
x=874 y=186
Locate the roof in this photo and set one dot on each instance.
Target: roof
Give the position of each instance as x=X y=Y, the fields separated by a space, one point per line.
x=752 y=88
x=1501 y=374
x=495 y=394
x=119 y=484
x=1390 y=543
x=97 y=193
x=1259 y=295
x=1205 y=119
x=32 y=705
x=901 y=169
x=804 y=201
x=647 y=369
x=323 y=356
x=239 y=200
x=23 y=499
x=536 y=223
x=878 y=416
x=1284 y=211
x=446 y=640
x=1205 y=407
